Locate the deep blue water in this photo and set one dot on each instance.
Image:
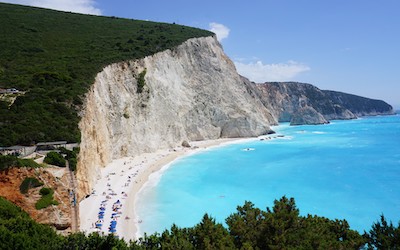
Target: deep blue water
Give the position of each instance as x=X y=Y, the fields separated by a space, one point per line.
x=346 y=170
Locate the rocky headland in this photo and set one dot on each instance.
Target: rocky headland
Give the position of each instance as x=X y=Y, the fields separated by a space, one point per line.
x=302 y=103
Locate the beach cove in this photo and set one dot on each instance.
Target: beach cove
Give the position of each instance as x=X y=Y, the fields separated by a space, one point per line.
x=345 y=170
x=110 y=208
x=150 y=197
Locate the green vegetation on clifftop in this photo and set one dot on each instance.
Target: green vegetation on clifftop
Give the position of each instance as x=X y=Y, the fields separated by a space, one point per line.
x=54 y=57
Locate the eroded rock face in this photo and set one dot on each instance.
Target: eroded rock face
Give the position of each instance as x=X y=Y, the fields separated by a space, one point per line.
x=59 y=216
x=307 y=116
x=192 y=92
x=302 y=103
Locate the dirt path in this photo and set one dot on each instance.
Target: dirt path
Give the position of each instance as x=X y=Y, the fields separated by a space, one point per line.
x=74 y=204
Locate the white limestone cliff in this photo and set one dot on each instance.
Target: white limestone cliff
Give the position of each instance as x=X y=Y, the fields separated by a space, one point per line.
x=191 y=92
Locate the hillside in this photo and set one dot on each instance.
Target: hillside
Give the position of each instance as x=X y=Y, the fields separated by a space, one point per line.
x=59 y=216
x=52 y=58
x=303 y=103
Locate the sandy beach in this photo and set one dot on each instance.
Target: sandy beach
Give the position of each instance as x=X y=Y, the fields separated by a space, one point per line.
x=110 y=207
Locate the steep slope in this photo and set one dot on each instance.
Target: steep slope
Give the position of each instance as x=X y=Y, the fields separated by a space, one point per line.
x=192 y=92
x=52 y=57
x=58 y=216
x=360 y=106
x=302 y=103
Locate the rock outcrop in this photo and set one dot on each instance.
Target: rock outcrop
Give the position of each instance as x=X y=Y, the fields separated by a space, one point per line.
x=58 y=216
x=192 y=92
x=302 y=103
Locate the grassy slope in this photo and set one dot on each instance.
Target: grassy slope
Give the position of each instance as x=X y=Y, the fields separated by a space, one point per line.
x=54 y=56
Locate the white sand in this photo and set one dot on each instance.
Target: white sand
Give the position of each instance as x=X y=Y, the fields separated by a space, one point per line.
x=121 y=180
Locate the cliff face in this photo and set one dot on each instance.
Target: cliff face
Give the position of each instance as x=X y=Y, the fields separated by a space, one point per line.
x=192 y=92
x=360 y=106
x=301 y=103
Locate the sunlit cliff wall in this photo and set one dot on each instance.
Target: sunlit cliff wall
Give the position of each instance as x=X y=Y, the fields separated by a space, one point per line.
x=192 y=92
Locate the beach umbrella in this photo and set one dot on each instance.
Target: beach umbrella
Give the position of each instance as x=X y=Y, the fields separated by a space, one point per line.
x=113 y=230
x=102 y=208
x=101 y=212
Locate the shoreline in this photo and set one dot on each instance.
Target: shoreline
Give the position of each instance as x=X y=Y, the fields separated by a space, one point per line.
x=115 y=194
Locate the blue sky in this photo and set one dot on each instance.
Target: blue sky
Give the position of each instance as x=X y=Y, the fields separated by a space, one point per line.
x=345 y=45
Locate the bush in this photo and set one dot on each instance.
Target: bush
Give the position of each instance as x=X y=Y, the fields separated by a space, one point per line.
x=46 y=200
x=27 y=163
x=72 y=164
x=7 y=161
x=45 y=191
x=54 y=158
x=69 y=154
x=28 y=183
x=71 y=157
x=141 y=81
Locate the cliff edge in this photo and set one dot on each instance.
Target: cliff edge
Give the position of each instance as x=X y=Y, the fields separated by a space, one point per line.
x=191 y=92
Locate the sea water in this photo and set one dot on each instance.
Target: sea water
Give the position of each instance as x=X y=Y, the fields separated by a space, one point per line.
x=345 y=170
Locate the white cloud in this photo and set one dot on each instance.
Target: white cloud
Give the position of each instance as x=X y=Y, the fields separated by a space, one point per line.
x=259 y=72
x=220 y=30
x=78 y=6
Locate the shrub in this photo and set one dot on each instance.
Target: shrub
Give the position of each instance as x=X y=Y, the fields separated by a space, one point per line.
x=28 y=183
x=69 y=153
x=7 y=161
x=72 y=164
x=71 y=157
x=55 y=158
x=45 y=191
x=46 y=200
x=27 y=163
x=140 y=81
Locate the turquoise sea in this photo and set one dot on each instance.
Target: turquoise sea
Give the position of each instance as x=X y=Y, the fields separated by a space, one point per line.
x=346 y=170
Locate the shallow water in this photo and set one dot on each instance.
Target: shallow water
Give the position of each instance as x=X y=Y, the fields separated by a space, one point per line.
x=346 y=170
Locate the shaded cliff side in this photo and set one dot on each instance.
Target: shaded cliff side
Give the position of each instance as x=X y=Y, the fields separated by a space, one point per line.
x=302 y=103
x=192 y=92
